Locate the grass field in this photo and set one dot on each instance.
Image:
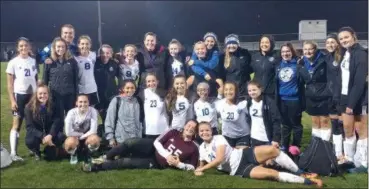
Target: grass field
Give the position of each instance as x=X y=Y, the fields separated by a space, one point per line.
x=32 y=174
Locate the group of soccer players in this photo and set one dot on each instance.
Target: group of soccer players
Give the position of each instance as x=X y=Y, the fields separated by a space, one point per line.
x=158 y=103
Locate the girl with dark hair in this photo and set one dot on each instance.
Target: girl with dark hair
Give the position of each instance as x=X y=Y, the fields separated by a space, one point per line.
x=151 y=58
x=232 y=112
x=43 y=124
x=81 y=130
x=124 y=117
x=290 y=96
x=334 y=58
x=175 y=61
x=215 y=152
x=173 y=149
x=178 y=105
x=21 y=80
x=263 y=64
x=263 y=118
x=353 y=79
x=235 y=64
x=156 y=118
x=316 y=89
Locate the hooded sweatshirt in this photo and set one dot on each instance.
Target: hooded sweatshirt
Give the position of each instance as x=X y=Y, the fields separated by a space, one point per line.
x=287 y=80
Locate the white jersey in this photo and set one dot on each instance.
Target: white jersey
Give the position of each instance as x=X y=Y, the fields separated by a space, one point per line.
x=345 y=73
x=87 y=83
x=177 y=67
x=233 y=117
x=81 y=125
x=232 y=156
x=181 y=113
x=129 y=71
x=258 y=131
x=24 y=70
x=206 y=112
x=156 y=119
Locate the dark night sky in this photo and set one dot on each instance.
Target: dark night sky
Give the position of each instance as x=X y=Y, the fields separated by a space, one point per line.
x=126 y=21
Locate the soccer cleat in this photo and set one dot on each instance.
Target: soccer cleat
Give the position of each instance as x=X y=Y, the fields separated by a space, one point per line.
x=309 y=175
x=73 y=159
x=16 y=158
x=317 y=182
x=37 y=157
x=86 y=167
x=31 y=153
x=99 y=160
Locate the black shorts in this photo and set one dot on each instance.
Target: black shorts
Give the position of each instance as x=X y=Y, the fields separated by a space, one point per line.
x=247 y=163
x=317 y=107
x=21 y=100
x=93 y=98
x=255 y=142
x=241 y=141
x=357 y=111
x=333 y=107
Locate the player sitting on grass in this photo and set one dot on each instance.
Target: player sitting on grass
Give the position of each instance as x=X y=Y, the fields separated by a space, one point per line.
x=216 y=152
x=172 y=149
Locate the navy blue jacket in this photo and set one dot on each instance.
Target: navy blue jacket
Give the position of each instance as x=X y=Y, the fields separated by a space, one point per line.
x=45 y=53
x=317 y=84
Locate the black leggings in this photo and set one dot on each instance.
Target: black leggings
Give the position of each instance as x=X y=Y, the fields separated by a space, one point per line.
x=135 y=153
x=291 y=121
x=64 y=103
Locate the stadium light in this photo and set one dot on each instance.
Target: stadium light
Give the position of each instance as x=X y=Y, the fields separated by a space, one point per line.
x=99 y=27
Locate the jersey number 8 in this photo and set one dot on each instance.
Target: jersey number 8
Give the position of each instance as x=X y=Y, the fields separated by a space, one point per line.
x=87 y=66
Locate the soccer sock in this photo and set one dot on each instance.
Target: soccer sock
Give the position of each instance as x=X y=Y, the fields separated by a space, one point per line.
x=315 y=132
x=337 y=142
x=286 y=162
x=290 y=178
x=361 y=155
x=349 y=147
x=72 y=151
x=325 y=134
x=13 y=141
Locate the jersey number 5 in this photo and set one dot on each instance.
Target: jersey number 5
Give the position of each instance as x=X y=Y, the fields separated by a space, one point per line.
x=172 y=149
x=181 y=106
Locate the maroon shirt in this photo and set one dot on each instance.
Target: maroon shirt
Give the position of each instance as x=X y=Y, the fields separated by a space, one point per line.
x=187 y=151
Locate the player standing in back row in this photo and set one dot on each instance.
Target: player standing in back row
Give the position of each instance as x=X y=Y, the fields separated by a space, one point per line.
x=21 y=80
x=86 y=61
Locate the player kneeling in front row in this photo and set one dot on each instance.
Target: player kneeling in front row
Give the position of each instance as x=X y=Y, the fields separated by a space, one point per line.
x=81 y=129
x=172 y=149
x=216 y=152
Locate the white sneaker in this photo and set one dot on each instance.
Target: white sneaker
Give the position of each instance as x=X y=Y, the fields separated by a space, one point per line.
x=16 y=158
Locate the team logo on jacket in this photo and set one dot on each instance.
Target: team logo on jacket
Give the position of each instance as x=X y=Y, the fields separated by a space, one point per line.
x=285 y=74
x=271 y=59
x=111 y=69
x=335 y=63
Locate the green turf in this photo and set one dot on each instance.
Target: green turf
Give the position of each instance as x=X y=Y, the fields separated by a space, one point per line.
x=63 y=175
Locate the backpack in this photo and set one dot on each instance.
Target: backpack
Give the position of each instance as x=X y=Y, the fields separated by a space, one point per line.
x=319 y=157
x=5 y=157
